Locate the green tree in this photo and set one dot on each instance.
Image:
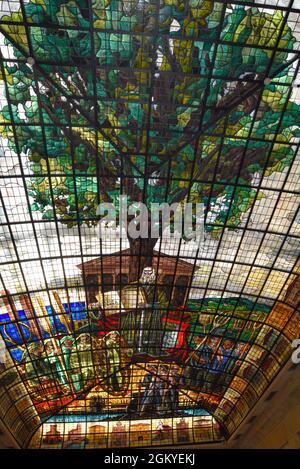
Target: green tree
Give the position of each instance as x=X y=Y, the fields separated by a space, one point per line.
x=134 y=99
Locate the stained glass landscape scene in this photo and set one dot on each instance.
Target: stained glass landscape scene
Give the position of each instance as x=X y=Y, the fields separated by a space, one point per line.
x=149 y=211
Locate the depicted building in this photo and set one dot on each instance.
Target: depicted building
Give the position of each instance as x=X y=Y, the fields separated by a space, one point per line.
x=182 y=428
x=118 y=436
x=292 y=296
x=97 y=436
x=111 y=272
x=53 y=436
x=140 y=434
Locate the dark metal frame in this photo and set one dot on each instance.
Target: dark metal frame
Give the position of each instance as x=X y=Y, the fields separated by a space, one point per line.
x=253 y=85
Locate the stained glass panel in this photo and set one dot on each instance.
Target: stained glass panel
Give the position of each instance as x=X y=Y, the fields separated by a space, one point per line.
x=121 y=330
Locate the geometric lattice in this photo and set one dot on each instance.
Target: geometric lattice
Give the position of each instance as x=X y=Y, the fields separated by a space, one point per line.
x=111 y=340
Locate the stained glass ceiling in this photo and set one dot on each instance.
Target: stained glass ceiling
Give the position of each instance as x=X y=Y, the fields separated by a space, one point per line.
x=113 y=341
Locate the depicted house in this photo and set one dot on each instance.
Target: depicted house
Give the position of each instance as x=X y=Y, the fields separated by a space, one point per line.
x=53 y=436
x=111 y=272
x=97 y=436
x=182 y=427
x=118 y=435
x=140 y=434
x=292 y=296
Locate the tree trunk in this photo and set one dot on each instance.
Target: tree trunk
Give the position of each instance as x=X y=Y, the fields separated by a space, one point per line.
x=141 y=252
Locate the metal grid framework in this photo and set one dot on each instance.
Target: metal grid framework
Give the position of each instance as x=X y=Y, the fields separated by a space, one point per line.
x=169 y=101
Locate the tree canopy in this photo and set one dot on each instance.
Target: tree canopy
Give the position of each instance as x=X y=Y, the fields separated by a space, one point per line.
x=162 y=101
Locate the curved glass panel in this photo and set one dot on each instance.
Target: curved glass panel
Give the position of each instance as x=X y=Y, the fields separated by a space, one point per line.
x=149 y=216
